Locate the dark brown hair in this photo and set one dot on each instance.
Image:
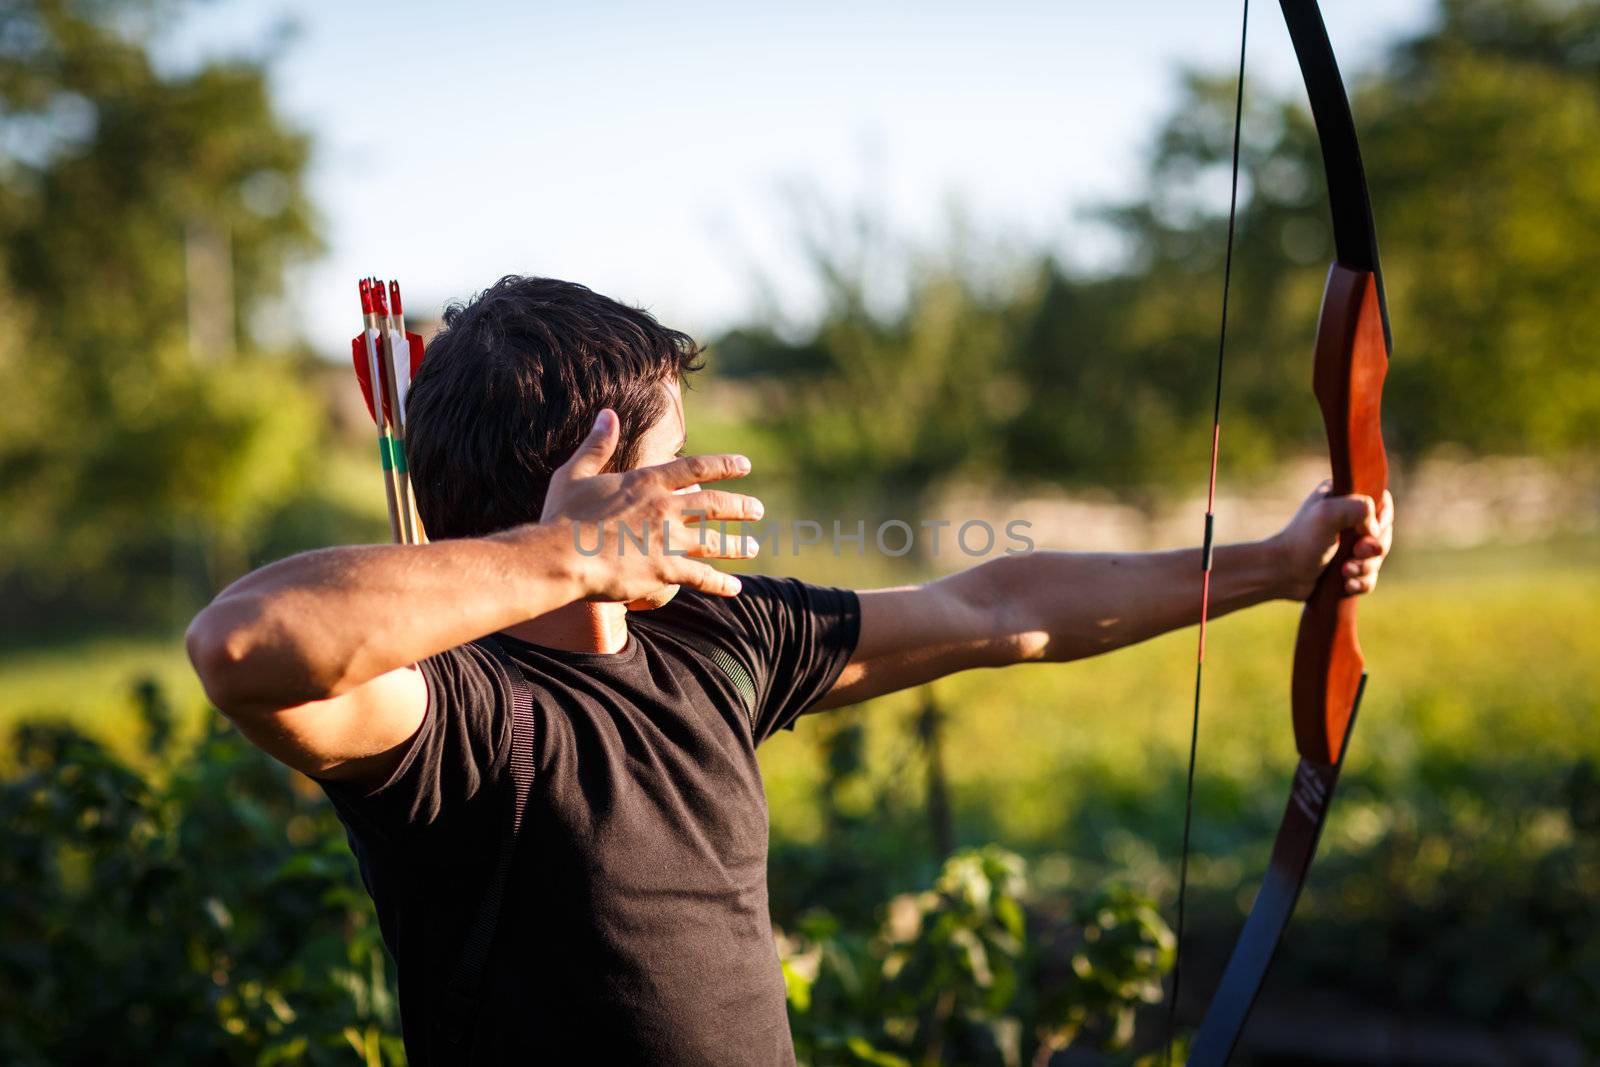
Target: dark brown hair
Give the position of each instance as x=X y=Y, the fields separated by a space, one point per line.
x=512 y=385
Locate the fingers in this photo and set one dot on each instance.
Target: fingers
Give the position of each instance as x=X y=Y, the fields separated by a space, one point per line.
x=707 y=579
x=706 y=543
x=690 y=470
x=699 y=509
x=1360 y=572
x=595 y=452
x=1354 y=512
x=1360 y=578
x=716 y=505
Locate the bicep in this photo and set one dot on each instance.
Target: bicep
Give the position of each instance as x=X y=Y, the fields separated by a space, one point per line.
x=915 y=634
x=356 y=736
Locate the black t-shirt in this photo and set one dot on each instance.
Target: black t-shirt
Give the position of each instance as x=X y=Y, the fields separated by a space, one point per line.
x=635 y=925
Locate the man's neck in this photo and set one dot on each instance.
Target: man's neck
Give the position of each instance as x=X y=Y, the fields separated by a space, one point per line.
x=579 y=627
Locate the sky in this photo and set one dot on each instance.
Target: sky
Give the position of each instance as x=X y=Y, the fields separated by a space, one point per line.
x=651 y=151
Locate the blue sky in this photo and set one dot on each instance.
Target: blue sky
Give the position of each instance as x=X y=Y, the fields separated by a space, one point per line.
x=644 y=149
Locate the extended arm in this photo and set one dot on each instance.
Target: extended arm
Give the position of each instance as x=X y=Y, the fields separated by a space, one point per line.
x=1056 y=606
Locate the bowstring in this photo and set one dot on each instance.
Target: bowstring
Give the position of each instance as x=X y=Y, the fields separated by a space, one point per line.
x=1206 y=545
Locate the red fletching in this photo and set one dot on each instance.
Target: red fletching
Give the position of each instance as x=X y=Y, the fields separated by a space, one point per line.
x=358 y=353
x=373 y=302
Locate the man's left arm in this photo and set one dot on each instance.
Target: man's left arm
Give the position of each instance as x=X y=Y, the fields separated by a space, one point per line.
x=1058 y=606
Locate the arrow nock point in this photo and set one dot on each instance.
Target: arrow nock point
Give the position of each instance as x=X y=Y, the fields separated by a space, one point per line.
x=394 y=297
x=366 y=296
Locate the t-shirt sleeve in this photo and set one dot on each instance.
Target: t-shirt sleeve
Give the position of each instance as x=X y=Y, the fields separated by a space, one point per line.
x=460 y=748
x=798 y=637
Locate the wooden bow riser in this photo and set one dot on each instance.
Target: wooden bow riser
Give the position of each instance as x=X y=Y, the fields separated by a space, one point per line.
x=1348 y=371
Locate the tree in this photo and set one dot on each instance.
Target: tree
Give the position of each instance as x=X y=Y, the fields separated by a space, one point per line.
x=1478 y=140
x=142 y=215
x=884 y=397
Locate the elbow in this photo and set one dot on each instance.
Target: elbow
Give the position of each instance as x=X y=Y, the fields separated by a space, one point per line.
x=219 y=653
x=229 y=649
x=1000 y=601
x=1020 y=605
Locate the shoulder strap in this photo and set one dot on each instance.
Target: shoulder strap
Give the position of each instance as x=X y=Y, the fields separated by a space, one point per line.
x=466 y=982
x=737 y=676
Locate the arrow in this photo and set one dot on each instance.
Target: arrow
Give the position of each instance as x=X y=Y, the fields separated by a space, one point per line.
x=386 y=357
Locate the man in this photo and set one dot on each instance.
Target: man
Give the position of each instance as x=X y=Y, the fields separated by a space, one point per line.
x=545 y=425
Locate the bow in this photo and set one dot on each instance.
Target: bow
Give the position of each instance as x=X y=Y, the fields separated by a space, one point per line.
x=1350 y=359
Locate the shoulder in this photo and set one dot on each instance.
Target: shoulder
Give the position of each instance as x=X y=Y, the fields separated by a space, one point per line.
x=460 y=747
x=761 y=602
x=477 y=669
x=771 y=619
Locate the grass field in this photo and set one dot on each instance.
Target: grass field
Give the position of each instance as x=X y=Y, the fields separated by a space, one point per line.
x=1485 y=660
x=90 y=684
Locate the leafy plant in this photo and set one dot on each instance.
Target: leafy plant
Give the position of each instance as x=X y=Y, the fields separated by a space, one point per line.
x=209 y=912
x=968 y=972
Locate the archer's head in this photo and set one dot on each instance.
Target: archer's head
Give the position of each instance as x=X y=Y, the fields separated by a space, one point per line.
x=512 y=385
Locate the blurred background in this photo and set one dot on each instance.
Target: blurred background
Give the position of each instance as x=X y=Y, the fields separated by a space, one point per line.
x=952 y=262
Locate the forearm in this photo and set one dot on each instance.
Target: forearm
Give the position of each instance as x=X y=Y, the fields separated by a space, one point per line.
x=1065 y=606
x=321 y=623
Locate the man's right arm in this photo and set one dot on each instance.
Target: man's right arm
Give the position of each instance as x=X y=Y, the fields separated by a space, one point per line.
x=312 y=656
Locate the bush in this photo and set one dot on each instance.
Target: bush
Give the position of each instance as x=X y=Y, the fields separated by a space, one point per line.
x=209 y=912
x=968 y=973
x=206 y=908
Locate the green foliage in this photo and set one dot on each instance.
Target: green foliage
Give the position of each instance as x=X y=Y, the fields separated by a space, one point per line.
x=1118 y=949
x=873 y=841
x=1478 y=139
x=882 y=404
x=1463 y=850
x=141 y=215
x=208 y=914
x=1470 y=866
x=967 y=972
x=210 y=910
x=1490 y=200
